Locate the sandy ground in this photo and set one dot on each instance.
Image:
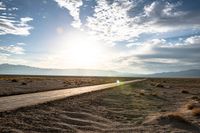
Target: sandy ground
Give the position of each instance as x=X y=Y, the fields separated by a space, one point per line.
x=13 y=102
x=11 y=85
x=154 y=105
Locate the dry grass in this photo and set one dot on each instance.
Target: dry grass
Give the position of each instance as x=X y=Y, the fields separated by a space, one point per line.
x=154 y=94
x=175 y=120
x=190 y=106
x=170 y=117
x=196 y=112
x=159 y=85
x=167 y=118
x=194 y=107
x=173 y=116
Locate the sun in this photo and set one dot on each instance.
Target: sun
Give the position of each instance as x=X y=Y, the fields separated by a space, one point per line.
x=80 y=50
x=83 y=51
x=83 y=55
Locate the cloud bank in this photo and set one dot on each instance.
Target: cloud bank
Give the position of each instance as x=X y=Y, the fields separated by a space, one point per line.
x=160 y=55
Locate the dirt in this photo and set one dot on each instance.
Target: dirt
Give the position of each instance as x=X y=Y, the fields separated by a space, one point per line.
x=12 y=85
x=137 y=107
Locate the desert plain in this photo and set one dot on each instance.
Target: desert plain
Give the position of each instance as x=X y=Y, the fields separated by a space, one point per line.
x=156 y=105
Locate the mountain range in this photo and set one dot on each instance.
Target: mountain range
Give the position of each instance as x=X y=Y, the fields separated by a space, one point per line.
x=10 y=69
x=28 y=70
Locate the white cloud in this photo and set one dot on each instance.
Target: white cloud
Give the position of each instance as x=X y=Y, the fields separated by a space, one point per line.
x=131 y=44
x=150 y=9
x=12 y=49
x=2 y=6
x=111 y=22
x=158 y=9
x=26 y=19
x=193 y=40
x=10 y=25
x=21 y=44
x=170 y=10
x=7 y=58
x=158 y=55
x=168 y=16
x=73 y=7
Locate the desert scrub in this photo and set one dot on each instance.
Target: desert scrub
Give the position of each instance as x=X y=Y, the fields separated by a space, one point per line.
x=14 y=80
x=23 y=83
x=196 y=112
x=185 y=92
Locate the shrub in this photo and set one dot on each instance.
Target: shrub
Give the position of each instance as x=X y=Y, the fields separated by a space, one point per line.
x=196 y=112
x=184 y=91
x=142 y=92
x=159 y=85
x=190 y=106
x=154 y=94
x=23 y=83
x=14 y=80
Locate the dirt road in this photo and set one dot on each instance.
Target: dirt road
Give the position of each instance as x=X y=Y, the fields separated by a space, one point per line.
x=13 y=102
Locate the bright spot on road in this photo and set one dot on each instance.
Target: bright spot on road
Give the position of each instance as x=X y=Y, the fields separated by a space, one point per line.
x=118 y=81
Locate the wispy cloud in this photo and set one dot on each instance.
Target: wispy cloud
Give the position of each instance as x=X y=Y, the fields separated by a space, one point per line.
x=11 y=25
x=2 y=6
x=111 y=22
x=73 y=7
x=12 y=49
x=194 y=41
x=115 y=21
x=166 y=15
x=7 y=58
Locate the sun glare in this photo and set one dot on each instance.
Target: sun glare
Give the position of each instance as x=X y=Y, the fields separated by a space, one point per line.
x=83 y=51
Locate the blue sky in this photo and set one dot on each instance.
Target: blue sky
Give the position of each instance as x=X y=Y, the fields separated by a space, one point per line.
x=138 y=36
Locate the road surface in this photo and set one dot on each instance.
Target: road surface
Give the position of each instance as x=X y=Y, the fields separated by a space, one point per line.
x=13 y=102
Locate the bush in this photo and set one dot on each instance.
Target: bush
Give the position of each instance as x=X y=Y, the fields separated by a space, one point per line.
x=184 y=91
x=14 y=80
x=154 y=94
x=159 y=85
x=196 y=112
x=23 y=83
x=142 y=92
x=190 y=106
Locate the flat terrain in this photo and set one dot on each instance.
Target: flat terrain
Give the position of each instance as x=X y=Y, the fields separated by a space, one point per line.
x=12 y=85
x=16 y=101
x=154 y=105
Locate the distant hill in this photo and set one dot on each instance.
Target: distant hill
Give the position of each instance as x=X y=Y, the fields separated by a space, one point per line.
x=186 y=73
x=27 y=70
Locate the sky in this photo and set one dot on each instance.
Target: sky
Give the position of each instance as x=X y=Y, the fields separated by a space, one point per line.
x=134 y=36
